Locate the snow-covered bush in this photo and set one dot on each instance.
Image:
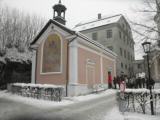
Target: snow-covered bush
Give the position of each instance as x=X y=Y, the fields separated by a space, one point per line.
x=39 y=91
x=138 y=100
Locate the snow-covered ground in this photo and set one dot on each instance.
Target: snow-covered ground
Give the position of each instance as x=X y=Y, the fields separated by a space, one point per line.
x=136 y=116
x=87 y=107
x=50 y=104
x=114 y=114
x=34 y=102
x=111 y=114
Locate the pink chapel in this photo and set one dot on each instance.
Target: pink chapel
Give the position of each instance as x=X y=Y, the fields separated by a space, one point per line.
x=62 y=56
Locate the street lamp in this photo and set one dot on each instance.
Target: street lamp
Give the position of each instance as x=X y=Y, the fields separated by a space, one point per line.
x=146 y=47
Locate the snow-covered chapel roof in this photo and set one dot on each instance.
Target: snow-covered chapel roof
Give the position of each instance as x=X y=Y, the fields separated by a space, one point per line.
x=97 y=22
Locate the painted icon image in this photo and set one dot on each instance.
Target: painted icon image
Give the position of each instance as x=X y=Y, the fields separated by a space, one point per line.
x=52 y=54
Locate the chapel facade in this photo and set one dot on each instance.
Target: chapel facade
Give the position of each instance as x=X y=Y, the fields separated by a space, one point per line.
x=68 y=58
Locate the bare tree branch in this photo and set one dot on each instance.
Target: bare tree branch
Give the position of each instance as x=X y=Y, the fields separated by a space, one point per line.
x=145 y=26
x=143 y=35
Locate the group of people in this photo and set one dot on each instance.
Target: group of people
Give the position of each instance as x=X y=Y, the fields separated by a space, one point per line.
x=131 y=82
x=141 y=83
x=116 y=81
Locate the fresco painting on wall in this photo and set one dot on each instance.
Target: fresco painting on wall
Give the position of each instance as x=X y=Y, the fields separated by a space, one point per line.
x=52 y=54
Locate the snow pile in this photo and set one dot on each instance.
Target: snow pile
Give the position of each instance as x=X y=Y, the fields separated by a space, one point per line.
x=142 y=90
x=156 y=91
x=36 y=85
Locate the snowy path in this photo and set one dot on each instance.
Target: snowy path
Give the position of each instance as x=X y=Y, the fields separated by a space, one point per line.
x=89 y=110
x=102 y=106
x=9 y=110
x=81 y=109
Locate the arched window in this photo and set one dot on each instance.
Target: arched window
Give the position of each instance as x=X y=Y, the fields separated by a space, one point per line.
x=51 y=59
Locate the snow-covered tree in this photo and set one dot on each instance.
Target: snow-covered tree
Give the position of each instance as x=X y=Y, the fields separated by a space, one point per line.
x=17 y=29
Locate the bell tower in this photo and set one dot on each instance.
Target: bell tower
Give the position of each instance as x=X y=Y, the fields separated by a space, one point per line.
x=59 y=13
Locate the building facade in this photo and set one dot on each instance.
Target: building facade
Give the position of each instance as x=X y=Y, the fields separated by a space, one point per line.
x=139 y=68
x=68 y=58
x=113 y=32
x=155 y=64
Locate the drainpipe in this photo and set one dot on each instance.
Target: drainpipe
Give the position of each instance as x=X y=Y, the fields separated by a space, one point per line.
x=67 y=67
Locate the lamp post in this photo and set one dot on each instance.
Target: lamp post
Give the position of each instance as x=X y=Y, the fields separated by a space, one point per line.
x=146 y=47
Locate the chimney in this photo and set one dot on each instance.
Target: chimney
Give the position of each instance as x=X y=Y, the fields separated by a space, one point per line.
x=99 y=16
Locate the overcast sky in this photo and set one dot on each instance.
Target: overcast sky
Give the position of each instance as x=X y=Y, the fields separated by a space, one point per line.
x=81 y=10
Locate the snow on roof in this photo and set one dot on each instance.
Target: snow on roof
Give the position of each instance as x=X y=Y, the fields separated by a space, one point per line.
x=97 y=23
x=73 y=33
x=14 y=56
x=2 y=60
x=46 y=26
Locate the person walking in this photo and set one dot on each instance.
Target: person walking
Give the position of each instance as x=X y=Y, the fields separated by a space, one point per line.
x=143 y=82
x=109 y=80
x=118 y=81
x=115 y=82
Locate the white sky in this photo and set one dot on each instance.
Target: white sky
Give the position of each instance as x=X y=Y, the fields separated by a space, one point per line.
x=81 y=10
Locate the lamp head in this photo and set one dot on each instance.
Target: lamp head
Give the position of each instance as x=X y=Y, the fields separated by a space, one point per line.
x=146 y=47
